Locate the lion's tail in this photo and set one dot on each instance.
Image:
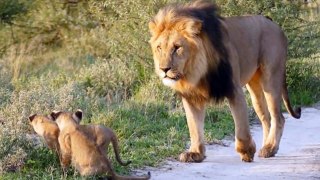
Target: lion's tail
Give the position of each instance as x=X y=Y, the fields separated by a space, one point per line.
x=296 y=113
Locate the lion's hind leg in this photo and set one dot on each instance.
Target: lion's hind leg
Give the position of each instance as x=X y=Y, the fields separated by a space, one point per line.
x=259 y=104
x=272 y=88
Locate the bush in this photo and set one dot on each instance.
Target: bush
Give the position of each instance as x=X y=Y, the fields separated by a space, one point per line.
x=303 y=78
x=9 y=9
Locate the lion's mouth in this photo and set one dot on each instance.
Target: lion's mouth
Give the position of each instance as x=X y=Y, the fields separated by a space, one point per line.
x=170 y=80
x=175 y=78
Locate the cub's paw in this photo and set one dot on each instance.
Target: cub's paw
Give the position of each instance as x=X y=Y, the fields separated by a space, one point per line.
x=268 y=151
x=191 y=157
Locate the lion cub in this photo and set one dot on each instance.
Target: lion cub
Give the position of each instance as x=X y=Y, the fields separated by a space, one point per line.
x=47 y=129
x=77 y=147
x=101 y=135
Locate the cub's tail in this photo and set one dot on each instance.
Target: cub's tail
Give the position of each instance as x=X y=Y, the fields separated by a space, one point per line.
x=145 y=177
x=115 y=146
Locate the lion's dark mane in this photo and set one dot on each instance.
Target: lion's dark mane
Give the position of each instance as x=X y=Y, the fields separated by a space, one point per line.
x=218 y=79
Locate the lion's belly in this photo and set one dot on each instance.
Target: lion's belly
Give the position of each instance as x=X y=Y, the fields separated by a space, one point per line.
x=248 y=66
x=245 y=77
x=245 y=62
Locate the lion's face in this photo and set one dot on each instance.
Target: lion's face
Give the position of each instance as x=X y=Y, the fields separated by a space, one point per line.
x=171 y=52
x=178 y=50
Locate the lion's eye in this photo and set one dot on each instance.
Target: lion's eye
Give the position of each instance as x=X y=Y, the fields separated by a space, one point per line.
x=176 y=48
x=159 y=48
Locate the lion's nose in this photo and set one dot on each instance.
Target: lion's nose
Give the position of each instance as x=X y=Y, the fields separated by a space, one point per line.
x=165 y=69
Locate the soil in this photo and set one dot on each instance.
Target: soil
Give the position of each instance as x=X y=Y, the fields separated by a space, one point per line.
x=298 y=156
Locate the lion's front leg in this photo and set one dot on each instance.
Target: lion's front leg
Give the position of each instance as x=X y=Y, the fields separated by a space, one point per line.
x=244 y=143
x=195 y=119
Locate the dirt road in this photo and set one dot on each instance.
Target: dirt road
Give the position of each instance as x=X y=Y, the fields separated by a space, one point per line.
x=297 y=158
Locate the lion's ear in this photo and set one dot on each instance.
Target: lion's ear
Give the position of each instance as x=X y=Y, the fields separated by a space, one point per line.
x=192 y=27
x=54 y=115
x=31 y=118
x=77 y=116
x=152 y=27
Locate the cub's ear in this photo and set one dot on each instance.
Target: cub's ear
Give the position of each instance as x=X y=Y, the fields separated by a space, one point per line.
x=32 y=117
x=77 y=116
x=55 y=114
x=50 y=117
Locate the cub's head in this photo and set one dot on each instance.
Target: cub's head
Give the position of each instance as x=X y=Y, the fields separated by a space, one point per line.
x=41 y=124
x=67 y=119
x=177 y=43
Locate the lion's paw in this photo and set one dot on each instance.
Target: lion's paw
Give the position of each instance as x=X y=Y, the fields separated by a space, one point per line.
x=191 y=157
x=247 y=157
x=246 y=151
x=268 y=151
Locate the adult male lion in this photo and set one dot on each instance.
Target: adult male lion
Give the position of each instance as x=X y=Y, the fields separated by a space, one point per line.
x=205 y=57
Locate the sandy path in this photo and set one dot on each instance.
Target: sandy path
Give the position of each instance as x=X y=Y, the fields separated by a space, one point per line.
x=297 y=158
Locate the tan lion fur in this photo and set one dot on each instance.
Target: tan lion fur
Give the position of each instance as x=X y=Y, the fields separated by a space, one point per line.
x=208 y=58
x=47 y=129
x=78 y=148
x=101 y=135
